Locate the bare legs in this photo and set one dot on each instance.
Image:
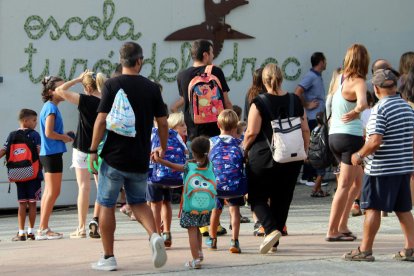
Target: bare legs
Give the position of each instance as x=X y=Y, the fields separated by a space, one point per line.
x=84 y=185
x=195 y=240
x=344 y=196
x=53 y=183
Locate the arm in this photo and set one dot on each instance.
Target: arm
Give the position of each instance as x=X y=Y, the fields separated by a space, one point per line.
x=299 y=91
x=2 y=152
x=163 y=134
x=227 y=102
x=305 y=131
x=98 y=133
x=63 y=90
x=361 y=94
x=177 y=167
x=51 y=134
x=254 y=124
x=370 y=147
x=177 y=105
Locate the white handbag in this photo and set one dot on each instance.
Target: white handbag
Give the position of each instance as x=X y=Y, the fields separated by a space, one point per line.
x=287 y=140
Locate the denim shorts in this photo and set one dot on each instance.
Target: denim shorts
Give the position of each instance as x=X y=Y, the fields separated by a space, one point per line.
x=111 y=181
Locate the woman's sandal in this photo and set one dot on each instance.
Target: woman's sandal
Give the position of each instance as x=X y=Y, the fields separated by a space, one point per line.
x=319 y=193
x=194 y=264
x=405 y=255
x=360 y=256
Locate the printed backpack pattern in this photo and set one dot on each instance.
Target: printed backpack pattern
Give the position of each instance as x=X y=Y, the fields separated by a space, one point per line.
x=175 y=153
x=206 y=97
x=227 y=159
x=121 y=118
x=22 y=157
x=199 y=190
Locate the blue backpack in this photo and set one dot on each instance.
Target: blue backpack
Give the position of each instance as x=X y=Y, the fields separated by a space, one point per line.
x=199 y=192
x=162 y=175
x=227 y=159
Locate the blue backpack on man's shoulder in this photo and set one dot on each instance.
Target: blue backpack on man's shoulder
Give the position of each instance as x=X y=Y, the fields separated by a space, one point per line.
x=227 y=159
x=162 y=175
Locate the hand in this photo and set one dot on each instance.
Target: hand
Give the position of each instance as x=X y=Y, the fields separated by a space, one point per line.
x=312 y=104
x=356 y=161
x=158 y=153
x=351 y=115
x=66 y=138
x=93 y=159
x=80 y=78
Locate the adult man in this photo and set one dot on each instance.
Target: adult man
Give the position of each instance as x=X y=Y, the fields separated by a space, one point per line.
x=388 y=156
x=202 y=55
x=126 y=159
x=312 y=94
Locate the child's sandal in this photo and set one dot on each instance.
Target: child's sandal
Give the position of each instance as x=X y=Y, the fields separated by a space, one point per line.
x=200 y=256
x=194 y=264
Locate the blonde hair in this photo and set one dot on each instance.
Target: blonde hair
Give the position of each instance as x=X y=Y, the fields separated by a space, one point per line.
x=356 y=62
x=227 y=120
x=272 y=76
x=334 y=78
x=175 y=119
x=94 y=80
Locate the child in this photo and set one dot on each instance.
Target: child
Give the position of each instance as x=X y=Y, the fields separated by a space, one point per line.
x=28 y=192
x=227 y=158
x=320 y=173
x=191 y=220
x=158 y=196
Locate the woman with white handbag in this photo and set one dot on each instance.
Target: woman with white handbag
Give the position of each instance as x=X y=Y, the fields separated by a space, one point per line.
x=276 y=141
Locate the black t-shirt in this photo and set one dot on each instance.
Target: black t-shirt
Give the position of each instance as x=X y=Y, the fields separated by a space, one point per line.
x=183 y=80
x=87 y=107
x=259 y=154
x=131 y=154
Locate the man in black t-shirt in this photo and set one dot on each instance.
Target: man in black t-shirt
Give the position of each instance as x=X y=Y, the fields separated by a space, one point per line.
x=126 y=159
x=202 y=54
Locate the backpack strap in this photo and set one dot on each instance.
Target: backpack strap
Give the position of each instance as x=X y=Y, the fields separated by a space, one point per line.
x=209 y=69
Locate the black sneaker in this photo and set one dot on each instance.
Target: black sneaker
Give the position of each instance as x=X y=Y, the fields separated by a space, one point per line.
x=19 y=237
x=221 y=230
x=31 y=237
x=94 y=230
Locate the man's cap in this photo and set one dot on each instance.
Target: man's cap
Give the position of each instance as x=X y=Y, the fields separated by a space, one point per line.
x=385 y=78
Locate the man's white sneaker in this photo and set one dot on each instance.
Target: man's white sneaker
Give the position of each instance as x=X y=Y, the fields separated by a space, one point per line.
x=269 y=241
x=302 y=181
x=310 y=183
x=159 y=255
x=105 y=264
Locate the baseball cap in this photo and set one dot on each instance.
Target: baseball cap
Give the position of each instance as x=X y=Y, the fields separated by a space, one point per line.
x=385 y=78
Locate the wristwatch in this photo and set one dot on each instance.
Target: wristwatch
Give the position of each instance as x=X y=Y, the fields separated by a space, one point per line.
x=92 y=151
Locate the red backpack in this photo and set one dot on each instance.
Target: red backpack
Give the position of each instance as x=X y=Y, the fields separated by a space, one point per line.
x=206 y=97
x=22 y=158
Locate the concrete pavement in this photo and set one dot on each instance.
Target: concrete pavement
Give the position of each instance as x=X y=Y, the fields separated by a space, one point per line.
x=303 y=252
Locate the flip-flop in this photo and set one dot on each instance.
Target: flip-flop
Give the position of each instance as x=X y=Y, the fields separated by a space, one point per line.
x=340 y=238
x=349 y=234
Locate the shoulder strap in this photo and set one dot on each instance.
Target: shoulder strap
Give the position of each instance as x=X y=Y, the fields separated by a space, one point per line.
x=291 y=104
x=266 y=104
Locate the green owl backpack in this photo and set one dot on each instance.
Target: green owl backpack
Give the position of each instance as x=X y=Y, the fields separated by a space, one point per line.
x=199 y=191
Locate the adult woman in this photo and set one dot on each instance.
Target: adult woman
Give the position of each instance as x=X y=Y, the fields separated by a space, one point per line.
x=87 y=105
x=268 y=179
x=51 y=151
x=345 y=138
x=254 y=90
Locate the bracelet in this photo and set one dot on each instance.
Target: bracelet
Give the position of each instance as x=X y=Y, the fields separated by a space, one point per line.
x=359 y=156
x=92 y=151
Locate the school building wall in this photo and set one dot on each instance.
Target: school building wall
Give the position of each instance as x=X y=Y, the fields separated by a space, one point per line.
x=49 y=37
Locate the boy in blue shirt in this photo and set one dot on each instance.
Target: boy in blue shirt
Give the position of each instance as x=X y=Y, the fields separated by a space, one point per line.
x=28 y=192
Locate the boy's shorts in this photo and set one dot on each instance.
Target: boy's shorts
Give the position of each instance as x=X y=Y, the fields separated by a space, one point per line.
x=29 y=191
x=235 y=201
x=156 y=193
x=386 y=193
x=111 y=180
x=79 y=159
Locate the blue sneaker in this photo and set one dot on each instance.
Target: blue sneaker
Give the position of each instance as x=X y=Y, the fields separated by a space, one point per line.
x=211 y=243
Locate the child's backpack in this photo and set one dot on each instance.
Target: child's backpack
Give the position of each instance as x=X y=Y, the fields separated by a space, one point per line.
x=199 y=190
x=22 y=158
x=319 y=154
x=206 y=97
x=121 y=118
x=227 y=159
x=162 y=175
